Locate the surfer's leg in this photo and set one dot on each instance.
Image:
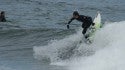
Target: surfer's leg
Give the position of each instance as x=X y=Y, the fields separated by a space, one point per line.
x=84 y=32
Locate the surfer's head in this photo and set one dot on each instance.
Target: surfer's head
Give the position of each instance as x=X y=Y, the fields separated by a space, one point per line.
x=75 y=14
x=2 y=13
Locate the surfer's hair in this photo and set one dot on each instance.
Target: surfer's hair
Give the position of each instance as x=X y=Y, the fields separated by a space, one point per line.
x=76 y=13
x=2 y=12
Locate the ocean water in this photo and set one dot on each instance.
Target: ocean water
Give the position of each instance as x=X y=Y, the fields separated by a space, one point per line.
x=36 y=38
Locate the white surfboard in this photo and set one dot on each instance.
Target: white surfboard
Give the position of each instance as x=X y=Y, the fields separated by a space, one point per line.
x=97 y=21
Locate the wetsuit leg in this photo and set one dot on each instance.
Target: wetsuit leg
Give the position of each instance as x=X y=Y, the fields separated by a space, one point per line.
x=85 y=26
x=84 y=30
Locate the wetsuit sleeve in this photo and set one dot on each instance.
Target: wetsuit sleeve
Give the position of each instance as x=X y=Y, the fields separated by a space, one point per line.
x=71 y=20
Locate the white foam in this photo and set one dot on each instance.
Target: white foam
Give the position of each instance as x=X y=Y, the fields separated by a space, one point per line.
x=51 y=50
x=110 y=57
x=108 y=49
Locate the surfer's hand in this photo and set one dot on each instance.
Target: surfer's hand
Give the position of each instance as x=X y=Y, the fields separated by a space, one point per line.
x=67 y=26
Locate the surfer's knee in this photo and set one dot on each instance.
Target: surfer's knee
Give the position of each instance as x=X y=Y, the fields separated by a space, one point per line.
x=83 y=32
x=93 y=24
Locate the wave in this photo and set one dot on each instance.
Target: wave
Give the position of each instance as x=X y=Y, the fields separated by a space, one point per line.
x=64 y=49
x=8 y=25
x=109 y=58
x=6 y=68
x=56 y=47
x=105 y=53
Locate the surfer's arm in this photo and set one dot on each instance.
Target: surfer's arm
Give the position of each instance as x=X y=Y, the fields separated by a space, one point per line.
x=70 y=22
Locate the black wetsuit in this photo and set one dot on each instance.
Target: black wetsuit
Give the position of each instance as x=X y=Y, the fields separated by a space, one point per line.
x=86 y=22
x=2 y=18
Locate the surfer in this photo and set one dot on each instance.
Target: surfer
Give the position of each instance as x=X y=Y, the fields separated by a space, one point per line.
x=86 y=22
x=2 y=17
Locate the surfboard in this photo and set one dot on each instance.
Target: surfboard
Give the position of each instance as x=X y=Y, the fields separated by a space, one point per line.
x=97 y=21
x=93 y=29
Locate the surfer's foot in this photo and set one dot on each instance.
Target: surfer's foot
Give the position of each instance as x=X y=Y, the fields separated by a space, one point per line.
x=86 y=36
x=88 y=41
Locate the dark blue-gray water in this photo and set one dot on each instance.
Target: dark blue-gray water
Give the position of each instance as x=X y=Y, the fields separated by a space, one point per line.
x=37 y=22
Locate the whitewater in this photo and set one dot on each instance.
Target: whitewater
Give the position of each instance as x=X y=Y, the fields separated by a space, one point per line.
x=105 y=53
x=35 y=36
